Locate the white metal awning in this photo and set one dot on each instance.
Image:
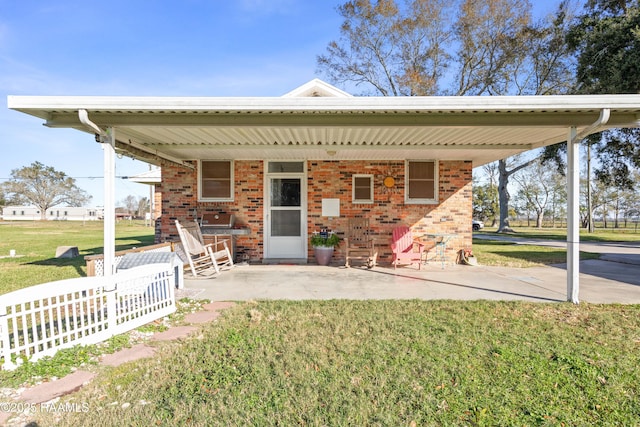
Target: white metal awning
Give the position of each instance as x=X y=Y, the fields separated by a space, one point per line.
x=480 y=129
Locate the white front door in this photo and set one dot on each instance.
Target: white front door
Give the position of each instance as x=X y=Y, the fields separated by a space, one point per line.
x=286 y=211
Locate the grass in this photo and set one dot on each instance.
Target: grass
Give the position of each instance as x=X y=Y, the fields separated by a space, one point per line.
x=86 y=357
x=509 y=254
x=383 y=363
x=36 y=243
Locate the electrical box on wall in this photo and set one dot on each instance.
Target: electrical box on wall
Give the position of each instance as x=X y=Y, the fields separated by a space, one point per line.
x=331 y=207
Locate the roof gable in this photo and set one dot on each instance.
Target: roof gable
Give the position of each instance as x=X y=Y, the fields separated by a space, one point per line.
x=317 y=88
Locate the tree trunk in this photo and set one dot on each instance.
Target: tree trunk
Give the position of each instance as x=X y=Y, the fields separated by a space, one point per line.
x=539 y=217
x=503 y=197
x=503 y=193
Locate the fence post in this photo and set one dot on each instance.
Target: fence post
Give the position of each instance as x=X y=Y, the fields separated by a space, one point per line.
x=5 y=351
x=110 y=287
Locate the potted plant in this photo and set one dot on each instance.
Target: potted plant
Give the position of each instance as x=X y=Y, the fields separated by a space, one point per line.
x=323 y=245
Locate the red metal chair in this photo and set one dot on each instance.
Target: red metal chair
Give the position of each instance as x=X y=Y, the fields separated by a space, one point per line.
x=405 y=248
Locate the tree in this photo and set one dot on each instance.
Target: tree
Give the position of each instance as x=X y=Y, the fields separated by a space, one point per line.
x=558 y=197
x=130 y=204
x=537 y=187
x=545 y=70
x=143 y=206
x=490 y=45
x=606 y=39
x=389 y=50
x=485 y=202
x=44 y=187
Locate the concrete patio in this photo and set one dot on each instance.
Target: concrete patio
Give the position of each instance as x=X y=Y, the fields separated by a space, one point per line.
x=601 y=281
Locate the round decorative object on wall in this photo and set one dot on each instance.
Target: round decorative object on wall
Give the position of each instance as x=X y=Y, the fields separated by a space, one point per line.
x=389 y=181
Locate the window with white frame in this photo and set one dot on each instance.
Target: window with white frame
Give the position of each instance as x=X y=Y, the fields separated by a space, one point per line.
x=216 y=180
x=421 y=181
x=362 y=188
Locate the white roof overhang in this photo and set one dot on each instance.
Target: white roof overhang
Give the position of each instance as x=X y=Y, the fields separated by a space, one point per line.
x=480 y=129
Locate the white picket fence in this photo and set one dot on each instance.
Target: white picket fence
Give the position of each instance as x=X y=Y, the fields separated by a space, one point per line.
x=40 y=320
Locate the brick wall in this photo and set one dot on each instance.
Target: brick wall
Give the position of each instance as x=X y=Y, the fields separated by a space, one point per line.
x=333 y=179
x=328 y=179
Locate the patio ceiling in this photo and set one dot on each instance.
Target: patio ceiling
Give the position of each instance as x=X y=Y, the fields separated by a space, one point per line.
x=480 y=129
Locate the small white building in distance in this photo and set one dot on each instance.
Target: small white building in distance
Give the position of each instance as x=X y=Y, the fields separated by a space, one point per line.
x=64 y=213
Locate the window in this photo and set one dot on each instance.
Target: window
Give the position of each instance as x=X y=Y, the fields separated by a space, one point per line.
x=421 y=181
x=362 y=188
x=286 y=167
x=216 y=180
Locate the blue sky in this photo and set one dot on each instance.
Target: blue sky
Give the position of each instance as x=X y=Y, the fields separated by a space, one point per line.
x=148 y=48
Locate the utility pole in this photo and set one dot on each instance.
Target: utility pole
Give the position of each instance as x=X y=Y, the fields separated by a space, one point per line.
x=589 y=208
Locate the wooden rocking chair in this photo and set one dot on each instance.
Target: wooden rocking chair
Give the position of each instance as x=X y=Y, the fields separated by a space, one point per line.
x=405 y=248
x=204 y=260
x=359 y=244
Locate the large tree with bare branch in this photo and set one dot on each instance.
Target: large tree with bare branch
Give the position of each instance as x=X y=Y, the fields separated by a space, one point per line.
x=44 y=187
x=463 y=47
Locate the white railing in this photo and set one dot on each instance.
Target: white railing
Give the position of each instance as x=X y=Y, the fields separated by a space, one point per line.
x=40 y=320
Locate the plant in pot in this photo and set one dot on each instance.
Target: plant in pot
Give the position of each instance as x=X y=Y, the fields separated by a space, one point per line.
x=323 y=245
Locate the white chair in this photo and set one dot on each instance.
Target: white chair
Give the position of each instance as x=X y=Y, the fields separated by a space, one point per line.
x=204 y=259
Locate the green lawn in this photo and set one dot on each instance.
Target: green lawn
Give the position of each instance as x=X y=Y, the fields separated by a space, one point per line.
x=386 y=363
x=35 y=244
x=509 y=254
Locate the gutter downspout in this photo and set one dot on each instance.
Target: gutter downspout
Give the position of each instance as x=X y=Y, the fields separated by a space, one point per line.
x=603 y=119
x=573 y=221
x=108 y=140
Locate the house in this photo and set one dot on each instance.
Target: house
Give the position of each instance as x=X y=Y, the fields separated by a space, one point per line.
x=151 y=178
x=288 y=166
x=57 y=213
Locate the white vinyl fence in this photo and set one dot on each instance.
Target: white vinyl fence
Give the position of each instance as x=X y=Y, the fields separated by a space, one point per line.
x=40 y=320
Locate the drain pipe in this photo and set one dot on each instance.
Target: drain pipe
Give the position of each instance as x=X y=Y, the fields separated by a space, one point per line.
x=83 y=115
x=603 y=119
x=573 y=203
x=108 y=140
